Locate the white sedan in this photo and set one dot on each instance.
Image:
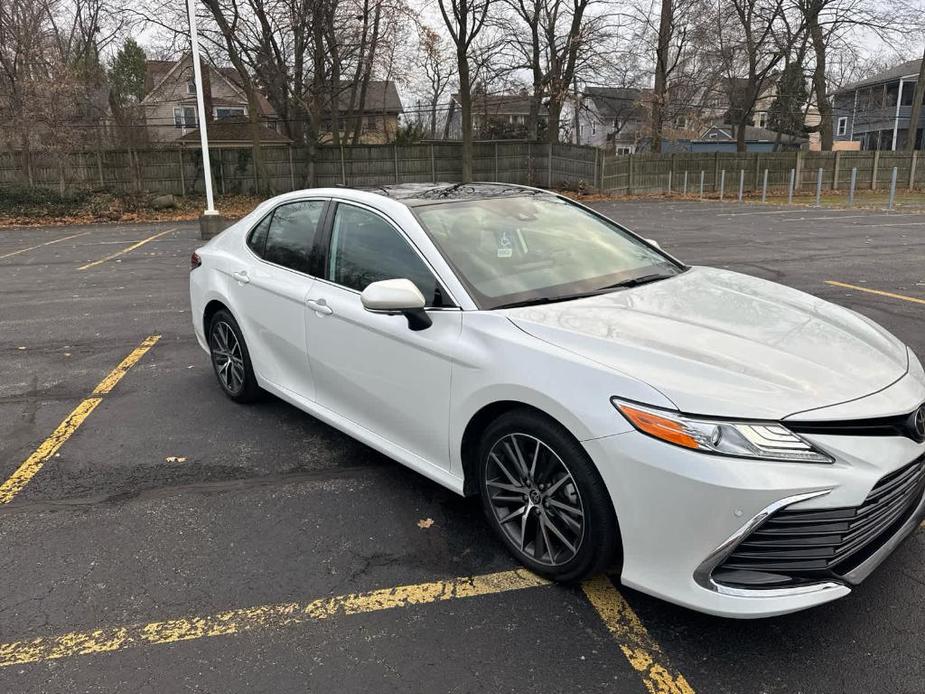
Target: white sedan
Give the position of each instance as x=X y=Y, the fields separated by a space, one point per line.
x=720 y=441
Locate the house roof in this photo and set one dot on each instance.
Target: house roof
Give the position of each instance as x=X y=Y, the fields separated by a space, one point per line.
x=616 y=102
x=501 y=104
x=381 y=97
x=233 y=131
x=727 y=133
x=910 y=67
x=157 y=70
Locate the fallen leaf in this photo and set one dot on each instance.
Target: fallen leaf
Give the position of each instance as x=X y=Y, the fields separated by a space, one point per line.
x=175 y=459
x=425 y=522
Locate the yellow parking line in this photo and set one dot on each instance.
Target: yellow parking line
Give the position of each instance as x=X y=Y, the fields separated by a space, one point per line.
x=30 y=467
x=118 y=638
x=642 y=652
x=47 y=243
x=135 y=245
x=878 y=292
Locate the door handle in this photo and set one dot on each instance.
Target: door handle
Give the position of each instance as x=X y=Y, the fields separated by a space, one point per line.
x=319 y=306
x=241 y=276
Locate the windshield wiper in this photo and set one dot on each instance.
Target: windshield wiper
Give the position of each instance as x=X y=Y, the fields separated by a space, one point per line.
x=636 y=281
x=546 y=300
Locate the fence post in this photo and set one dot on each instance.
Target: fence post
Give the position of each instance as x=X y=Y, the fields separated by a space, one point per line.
x=701 y=184
x=722 y=184
x=757 y=170
x=670 y=172
x=99 y=167
x=819 y=187
x=741 y=184
x=256 y=174
x=685 y=182
x=529 y=163
x=854 y=181
x=798 y=177
x=793 y=173
x=915 y=157
x=594 y=174
x=549 y=167
x=837 y=169
x=433 y=164
x=629 y=178
x=343 y=167
x=395 y=152
x=715 y=170
x=873 y=176
x=892 y=189
x=496 y=161
x=603 y=169
x=291 y=170
x=764 y=188
x=182 y=181
x=221 y=168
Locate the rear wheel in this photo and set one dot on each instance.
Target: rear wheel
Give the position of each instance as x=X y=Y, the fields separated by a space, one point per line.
x=544 y=497
x=230 y=358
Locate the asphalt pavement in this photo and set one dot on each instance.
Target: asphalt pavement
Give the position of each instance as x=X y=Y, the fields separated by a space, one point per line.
x=156 y=537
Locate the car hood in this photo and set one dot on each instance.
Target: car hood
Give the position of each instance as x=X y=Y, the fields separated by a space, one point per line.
x=721 y=343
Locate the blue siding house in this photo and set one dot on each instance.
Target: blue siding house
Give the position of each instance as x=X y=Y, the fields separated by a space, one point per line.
x=876 y=111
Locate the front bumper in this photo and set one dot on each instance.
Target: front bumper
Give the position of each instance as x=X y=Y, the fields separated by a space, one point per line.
x=681 y=513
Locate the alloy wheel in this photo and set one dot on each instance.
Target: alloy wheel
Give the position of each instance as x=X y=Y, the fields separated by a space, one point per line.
x=227 y=357
x=535 y=499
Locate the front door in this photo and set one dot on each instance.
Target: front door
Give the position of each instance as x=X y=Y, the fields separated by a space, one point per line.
x=369 y=367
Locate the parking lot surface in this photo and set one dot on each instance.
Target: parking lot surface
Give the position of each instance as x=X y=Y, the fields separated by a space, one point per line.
x=156 y=537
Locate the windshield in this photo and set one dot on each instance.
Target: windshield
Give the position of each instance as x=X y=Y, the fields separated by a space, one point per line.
x=522 y=250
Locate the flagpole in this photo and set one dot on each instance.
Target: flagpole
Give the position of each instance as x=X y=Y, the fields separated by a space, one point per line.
x=210 y=221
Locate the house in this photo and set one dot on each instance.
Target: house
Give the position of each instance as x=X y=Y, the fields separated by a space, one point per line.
x=378 y=115
x=722 y=138
x=612 y=116
x=875 y=112
x=169 y=104
x=494 y=116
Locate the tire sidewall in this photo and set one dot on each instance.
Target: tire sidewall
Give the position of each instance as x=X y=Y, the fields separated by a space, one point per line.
x=249 y=387
x=599 y=541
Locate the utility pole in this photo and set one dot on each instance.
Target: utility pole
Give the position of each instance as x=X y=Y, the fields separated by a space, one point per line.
x=210 y=222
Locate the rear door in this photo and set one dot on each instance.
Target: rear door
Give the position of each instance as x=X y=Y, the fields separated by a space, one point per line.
x=270 y=292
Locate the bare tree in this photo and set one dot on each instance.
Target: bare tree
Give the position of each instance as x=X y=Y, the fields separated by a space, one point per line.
x=465 y=20
x=438 y=71
x=915 y=116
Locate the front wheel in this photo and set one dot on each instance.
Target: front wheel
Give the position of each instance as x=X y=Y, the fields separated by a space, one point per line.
x=545 y=499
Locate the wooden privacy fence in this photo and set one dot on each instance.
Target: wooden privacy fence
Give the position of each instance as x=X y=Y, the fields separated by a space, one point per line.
x=286 y=167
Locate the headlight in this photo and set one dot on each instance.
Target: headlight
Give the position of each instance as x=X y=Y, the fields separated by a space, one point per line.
x=761 y=440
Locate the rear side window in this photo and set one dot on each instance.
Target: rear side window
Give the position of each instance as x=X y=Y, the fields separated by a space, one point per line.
x=258 y=236
x=291 y=234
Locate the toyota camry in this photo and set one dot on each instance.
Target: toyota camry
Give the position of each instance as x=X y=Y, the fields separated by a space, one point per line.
x=720 y=441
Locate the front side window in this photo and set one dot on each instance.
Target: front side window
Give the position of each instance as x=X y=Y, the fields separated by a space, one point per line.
x=291 y=234
x=537 y=248
x=365 y=249
x=842 y=125
x=230 y=112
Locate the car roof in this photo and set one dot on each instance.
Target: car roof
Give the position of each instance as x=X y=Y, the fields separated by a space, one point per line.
x=416 y=194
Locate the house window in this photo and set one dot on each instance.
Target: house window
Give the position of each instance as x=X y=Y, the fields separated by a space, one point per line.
x=624 y=150
x=191 y=87
x=761 y=119
x=842 y=125
x=230 y=112
x=681 y=122
x=184 y=117
x=593 y=128
x=616 y=122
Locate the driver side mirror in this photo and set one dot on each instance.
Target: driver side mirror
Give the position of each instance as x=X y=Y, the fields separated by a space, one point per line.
x=654 y=243
x=397 y=296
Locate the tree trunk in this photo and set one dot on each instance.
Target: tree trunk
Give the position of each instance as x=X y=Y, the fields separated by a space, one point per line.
x=554 y=119
x=916 y=114
x=741 y=145
x=660 y=92
x=465 y=102
x=819 y=82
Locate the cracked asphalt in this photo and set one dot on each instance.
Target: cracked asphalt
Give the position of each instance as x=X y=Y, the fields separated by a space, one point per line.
x=170 y=500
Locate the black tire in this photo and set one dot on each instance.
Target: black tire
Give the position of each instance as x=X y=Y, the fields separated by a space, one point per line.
x=236 y=378
x=576 y=485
